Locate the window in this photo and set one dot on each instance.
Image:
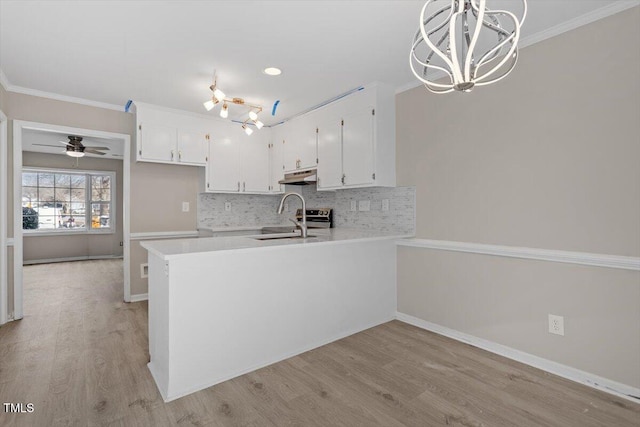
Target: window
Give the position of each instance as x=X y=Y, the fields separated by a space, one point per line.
x=67 y=201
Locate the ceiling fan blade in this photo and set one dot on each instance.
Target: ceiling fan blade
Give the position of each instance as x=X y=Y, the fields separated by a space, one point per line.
x=89 y=150
x=96 y=148
x=47 y=145
x=65 y=143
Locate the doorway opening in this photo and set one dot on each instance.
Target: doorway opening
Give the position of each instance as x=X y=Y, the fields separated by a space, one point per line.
x=69 y=207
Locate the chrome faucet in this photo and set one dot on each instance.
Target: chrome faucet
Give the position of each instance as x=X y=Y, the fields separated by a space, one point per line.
x=301 y=225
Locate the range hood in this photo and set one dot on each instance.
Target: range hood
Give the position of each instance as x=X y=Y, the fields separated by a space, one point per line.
x=300 y=178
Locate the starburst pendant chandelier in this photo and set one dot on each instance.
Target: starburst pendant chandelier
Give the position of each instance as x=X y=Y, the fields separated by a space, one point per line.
x=463 y=43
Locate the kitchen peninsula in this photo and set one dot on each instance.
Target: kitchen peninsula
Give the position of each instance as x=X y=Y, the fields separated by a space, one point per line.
x=223 y=306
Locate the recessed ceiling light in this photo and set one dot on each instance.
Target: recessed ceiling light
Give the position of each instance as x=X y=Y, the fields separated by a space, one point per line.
x=272 y=71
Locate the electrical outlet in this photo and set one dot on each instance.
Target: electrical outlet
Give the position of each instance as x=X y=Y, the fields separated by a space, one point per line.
x=556 y=324
x=364 y=205
x=185 y=206
x=385 y=205
x=227 y=206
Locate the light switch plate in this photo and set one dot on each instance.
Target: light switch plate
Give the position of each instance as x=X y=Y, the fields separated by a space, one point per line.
x=364 y=205
x=185 y=206
x=385 y=205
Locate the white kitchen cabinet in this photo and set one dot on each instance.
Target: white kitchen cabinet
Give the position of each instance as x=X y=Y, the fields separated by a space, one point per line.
x=356 y=142
x=300 y=147
x=223 y=161
x=330 y=154
x=357 y=147
x=237 y=163
x=170 y=137
x=254 y=162
x=276 y=161
x=192 y=146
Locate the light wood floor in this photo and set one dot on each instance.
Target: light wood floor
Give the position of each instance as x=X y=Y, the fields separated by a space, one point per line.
x=80 y=356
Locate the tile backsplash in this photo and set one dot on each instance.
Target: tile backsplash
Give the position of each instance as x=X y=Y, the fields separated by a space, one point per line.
x=247 y=210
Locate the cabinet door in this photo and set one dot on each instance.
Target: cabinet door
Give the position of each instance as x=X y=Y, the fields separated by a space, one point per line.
x=330 y=154
x=223 y=167
x=254 y=161
x=307 y=141
x=288 y=134
x=157 y=142
x=192 y=147
x=357 y=147
x=276 y=162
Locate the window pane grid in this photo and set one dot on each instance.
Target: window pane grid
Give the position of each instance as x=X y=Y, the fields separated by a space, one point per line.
x=54 y=200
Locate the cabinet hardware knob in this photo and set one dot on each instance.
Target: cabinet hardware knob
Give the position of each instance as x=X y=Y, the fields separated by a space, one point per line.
x=180 y=155
x=171 y=154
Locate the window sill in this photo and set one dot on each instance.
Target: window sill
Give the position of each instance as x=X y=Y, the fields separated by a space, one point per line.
x=26 y=233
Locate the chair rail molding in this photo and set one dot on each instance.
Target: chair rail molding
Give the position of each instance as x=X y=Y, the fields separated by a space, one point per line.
x=583 y=258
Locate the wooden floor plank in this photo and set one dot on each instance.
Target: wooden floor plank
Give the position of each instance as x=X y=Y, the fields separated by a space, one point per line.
x=80 y=356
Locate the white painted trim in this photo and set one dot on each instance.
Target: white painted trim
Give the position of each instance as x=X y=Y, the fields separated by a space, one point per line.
x=17 y=220
x=589 y=17
x=71 y=259
x=4 y=82
x=18 y=126
x=139 y=297
x=163 y=235
x=10 y=241
x=4 y=301
x=583 y=258
x=64 y=98
x=613 y=387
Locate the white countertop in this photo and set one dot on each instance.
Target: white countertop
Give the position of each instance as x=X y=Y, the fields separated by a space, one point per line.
x=168 y=249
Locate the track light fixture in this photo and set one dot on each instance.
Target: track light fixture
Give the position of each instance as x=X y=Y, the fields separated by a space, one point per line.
x=219 y=96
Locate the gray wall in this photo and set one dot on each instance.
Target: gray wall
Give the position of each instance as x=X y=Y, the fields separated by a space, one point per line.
x=38 y=247
x=548 y=158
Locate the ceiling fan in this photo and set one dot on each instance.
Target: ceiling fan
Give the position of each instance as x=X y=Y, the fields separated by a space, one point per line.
x=75 y=147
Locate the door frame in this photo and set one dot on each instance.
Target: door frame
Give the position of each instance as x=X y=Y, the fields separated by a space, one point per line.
x=18 y=127
x=4 y=301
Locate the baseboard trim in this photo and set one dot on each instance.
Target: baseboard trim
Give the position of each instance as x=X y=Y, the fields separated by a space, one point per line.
x=582 y=258
x=71 y=259
x=603 y=384
x=139 y=297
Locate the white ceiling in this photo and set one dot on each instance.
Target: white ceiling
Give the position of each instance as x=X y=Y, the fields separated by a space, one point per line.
x=164 y=52
x=44 y=141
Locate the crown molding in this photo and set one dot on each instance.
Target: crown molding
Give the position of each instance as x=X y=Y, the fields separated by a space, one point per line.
x=579 y=21
x=64 y=98
x=4 y=82
x=572 y=24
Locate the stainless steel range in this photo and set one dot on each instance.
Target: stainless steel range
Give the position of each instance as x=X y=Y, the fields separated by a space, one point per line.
x=317 y=218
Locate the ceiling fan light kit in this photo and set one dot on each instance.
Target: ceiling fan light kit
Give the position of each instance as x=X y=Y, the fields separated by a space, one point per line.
x=218 y=96
x=75 y=148
x=464 y=44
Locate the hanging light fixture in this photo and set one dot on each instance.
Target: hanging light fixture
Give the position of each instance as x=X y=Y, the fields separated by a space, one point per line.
x=219 y=96
x=224 y=112
x=464 y=44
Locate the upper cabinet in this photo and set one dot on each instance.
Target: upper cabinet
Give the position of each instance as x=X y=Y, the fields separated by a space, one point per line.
x=300 y=143
x=356 y=140
x=237 y=163
x=170 y=137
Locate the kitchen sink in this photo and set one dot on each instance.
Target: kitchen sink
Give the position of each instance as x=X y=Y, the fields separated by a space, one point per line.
x=277 y=230
x=288 y=235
